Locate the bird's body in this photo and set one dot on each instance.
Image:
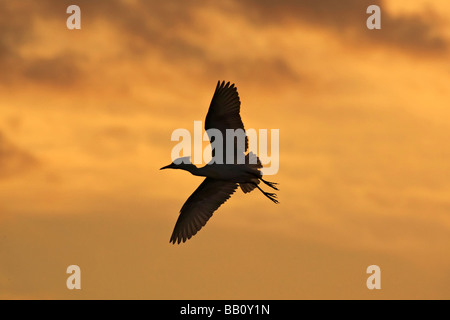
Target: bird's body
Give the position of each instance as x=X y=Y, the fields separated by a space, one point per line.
x=239 y=173
x=221 y=179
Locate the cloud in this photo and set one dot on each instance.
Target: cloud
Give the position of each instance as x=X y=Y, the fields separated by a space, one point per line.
x=411 y=33
x=360 y=170
x=14 y=160
x=347 y=19
x=17 y=30
x=171 y=32
x=59 y=70
x=139 y=28
x=13 y=32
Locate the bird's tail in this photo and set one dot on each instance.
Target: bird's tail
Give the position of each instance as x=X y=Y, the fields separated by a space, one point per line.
x=254 y=163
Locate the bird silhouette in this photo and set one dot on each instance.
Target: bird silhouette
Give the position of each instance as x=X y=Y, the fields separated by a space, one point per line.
x=222 y=178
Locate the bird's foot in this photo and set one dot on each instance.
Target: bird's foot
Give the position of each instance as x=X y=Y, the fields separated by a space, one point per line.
x=271 y=196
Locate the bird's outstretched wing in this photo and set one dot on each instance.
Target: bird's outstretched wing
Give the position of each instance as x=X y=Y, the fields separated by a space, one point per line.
x=200 y=206
x=224 y=114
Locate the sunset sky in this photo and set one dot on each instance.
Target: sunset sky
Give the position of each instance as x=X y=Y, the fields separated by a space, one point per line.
x=86 y=118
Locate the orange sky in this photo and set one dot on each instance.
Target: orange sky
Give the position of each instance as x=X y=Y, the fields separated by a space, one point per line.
x=85 y=123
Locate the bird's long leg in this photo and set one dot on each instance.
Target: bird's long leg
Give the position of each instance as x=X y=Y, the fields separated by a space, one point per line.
x=271 y=196
x=270 y=184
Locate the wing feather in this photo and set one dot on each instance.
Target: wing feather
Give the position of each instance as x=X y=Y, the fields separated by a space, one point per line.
x=200 y=206
x=224 y=113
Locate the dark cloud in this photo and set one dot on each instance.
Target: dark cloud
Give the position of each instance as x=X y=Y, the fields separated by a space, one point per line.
x=142 y=25
x=417 y=34
x=14 y=160
x=16 y=30
x=259 y=69
x=60 y=70
x=347 y=19
x=142 y=29
x=156 y=29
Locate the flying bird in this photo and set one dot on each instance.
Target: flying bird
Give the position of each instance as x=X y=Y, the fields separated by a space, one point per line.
x=222 y=180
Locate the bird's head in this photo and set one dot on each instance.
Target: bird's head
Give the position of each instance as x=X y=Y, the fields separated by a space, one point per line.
x=180 y=163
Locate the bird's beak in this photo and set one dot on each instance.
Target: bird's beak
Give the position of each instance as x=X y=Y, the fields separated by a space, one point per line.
x=166 y=167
